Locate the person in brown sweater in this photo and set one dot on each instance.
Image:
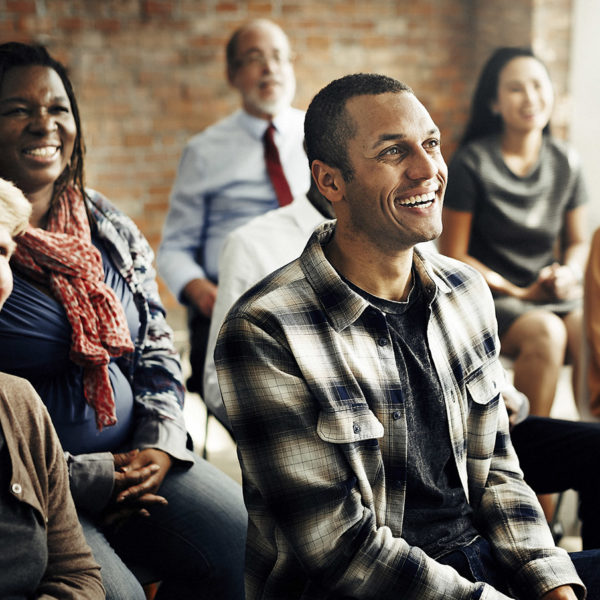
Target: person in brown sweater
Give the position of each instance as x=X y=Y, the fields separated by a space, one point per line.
x=43 y=554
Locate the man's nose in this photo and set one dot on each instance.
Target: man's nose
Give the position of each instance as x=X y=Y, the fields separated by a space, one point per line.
x=421 y=166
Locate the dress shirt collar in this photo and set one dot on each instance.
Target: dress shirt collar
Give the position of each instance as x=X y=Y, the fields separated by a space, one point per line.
x=257 y=126
x=343 y=305
x=304 y=214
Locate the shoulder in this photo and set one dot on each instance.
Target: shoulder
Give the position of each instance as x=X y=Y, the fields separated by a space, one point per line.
x=18 y=396
x=112 y=223
x=296 y=115
x=475 y=152
x=102 y=208
x=273 y=222
x=563 y=154
x=275 y=294
x=221 y=130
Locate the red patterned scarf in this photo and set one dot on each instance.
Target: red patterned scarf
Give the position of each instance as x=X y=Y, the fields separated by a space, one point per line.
x=63 y=257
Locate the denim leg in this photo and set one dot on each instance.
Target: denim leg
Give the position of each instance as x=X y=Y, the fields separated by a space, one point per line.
x=118 y=580
x=587 y=564
x=195 y=544
x=476 y=563
x=558 y=455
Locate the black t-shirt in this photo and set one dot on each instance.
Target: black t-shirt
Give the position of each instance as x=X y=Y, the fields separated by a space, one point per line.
x=437 y=516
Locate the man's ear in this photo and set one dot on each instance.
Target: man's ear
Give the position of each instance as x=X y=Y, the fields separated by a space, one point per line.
x=329 y=181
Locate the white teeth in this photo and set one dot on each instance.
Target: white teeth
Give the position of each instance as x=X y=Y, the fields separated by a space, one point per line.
x=418 y=199
x=45 y=152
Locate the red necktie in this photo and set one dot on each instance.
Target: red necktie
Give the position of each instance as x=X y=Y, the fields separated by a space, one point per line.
x=274 y=169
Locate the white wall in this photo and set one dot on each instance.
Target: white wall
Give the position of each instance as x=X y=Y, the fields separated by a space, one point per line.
x=585 y=96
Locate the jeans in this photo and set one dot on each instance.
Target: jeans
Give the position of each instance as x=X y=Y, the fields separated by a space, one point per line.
x=195 y=545
x=475 y=562
x=558 y=455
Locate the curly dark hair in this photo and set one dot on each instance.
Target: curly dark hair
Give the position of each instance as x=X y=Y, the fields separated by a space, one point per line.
x=16 y=54
x=328 y=126
x=482 y=121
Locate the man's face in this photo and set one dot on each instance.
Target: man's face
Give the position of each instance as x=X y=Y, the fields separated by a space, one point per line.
x=395 y=197
x=263 y=72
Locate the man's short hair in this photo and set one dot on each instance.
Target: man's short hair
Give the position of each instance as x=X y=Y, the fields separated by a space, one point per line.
x=328 y=126
x=15 y=209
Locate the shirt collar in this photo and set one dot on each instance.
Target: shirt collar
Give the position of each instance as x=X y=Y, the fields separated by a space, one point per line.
x=305 y=215
x=343 y=305
x=257 y=126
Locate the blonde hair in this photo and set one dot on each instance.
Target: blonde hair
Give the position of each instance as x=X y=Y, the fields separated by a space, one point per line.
x=15 y=209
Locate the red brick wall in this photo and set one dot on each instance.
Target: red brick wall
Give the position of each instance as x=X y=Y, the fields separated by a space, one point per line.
x=150 y=73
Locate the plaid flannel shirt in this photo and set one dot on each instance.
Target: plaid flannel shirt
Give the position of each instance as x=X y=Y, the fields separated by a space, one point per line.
x=309 y=379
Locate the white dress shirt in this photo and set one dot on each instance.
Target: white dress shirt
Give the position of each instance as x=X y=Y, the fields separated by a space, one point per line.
x=250 y=253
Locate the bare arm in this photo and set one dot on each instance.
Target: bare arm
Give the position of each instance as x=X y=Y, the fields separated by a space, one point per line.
x=454 y=242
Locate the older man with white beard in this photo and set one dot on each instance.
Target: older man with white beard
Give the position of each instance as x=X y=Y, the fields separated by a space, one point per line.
x=244 y=165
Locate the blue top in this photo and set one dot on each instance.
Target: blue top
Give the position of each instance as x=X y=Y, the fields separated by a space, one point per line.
x=37 y=341
x=222 y=183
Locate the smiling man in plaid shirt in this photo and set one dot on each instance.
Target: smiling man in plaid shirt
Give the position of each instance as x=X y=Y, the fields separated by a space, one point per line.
x=362 y=383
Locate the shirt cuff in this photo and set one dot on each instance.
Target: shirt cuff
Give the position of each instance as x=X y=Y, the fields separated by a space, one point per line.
x=91 y=478
x=164 y=435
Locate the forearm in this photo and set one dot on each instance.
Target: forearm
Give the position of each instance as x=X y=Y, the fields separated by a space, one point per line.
x=496 y=282
x=508 y=514
x=575 y=257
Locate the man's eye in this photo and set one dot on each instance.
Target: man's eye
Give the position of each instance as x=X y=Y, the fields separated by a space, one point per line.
x=433 y=144
x=393 y=150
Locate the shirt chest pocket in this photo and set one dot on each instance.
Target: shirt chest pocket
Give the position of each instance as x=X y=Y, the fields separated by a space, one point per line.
x=348 y=426
x=483 y=389
x=355 y=433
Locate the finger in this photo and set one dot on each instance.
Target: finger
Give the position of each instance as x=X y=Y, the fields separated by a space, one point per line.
x=138 y=476
x=150 y=485
x=123 y=460
x=145 y=499
x=118 y=517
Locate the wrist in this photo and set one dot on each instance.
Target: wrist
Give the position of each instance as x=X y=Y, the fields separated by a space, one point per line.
x=576 y=270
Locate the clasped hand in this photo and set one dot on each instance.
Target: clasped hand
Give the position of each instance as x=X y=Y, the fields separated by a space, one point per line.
x=138 y=477
x=555 y=282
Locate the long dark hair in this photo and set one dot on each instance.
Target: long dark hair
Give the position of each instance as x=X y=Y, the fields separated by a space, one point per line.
x=482 y=121
x=16 y=54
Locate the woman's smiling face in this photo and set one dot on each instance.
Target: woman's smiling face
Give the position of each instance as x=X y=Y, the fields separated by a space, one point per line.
x=525 y=97
x=37 y=127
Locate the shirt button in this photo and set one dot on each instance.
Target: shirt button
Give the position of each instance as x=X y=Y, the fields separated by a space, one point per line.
x=396 y=415
x=16 y=488
x=356 y=428
x=382 y=341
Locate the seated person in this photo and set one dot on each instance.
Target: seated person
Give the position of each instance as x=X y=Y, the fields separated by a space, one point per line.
x=250 y=253
x=592 y=324
x=362 y=383
x=44 y=553
x=86 y=327
x=515 y=196
x=214 y=194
